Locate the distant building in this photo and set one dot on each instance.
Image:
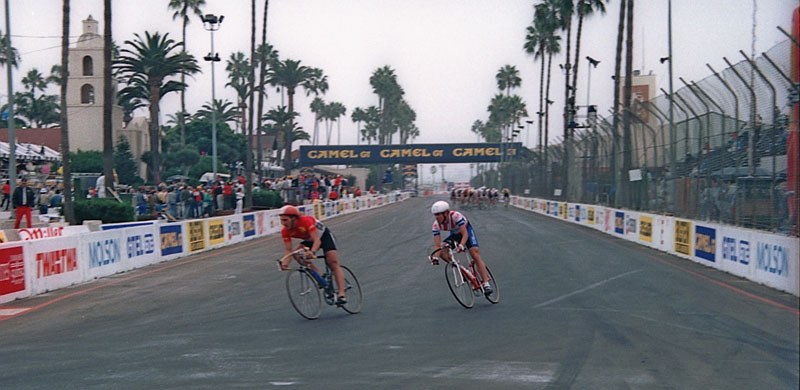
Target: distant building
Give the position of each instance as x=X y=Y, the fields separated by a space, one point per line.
x=85 y=100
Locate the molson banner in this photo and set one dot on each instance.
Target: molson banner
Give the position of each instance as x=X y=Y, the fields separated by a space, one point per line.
x=408 y=154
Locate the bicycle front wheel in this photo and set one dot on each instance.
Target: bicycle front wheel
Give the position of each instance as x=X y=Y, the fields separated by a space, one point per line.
x=352 y=291
x=304 y=294
x=459 y=285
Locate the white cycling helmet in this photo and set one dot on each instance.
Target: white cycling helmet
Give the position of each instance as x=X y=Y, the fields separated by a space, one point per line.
x=439 y=207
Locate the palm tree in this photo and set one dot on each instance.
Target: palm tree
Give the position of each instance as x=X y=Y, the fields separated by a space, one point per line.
x=404 y=121
x=153 y=59
x=298 y=134
x=248 y=161
x=327 y=115
x=615 y=107
x=66 y=166
x=289 y=74
x=317 y=107
x=372 y=119
x=626 y=102
x=534 y=44
x=357 y=116
x=4 y=43
x=335 y=110
x=478 y=127
x=546 y=22
x=55 y=75
x=130 y=102
x=108 y=102
x=585 y=8
x=33 y=81
x=225 y=111
x=317 y=85
x=183 y=9
x=384 y=84
x=507 y=78
x=264 y=53
x=281 y=119
x=239 y=74
x=38 y=111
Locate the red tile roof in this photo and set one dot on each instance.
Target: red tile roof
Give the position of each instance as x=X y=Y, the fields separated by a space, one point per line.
x=50 y=137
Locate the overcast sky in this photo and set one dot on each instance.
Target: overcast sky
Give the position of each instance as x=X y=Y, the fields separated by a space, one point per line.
x=445 y=52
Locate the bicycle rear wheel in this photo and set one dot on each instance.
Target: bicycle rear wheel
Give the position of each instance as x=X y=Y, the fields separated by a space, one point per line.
x=494 y=297
x=352 y=291
x=459 y=285
x=304 y=294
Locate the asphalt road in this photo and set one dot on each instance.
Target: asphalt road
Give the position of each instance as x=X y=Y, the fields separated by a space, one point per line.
x=579 y=310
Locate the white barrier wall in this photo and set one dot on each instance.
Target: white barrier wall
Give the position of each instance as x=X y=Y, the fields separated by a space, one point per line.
x=61 y=257
x=766 y=258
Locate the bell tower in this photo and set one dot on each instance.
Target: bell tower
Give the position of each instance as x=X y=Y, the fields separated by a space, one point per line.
x=85 y=97
x=85 y=90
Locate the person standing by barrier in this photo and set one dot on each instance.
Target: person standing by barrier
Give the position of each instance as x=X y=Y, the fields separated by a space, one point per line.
x=6 y=195
x=217 y=193
x=227 y=193
x=141 y=202
x=172 y=202
x=23 y=201
x=186 y=201
x=44 y=200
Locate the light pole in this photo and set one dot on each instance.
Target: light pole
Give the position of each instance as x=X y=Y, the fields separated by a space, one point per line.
x=672 y=135
x=593 y=64
x=528 y=132
x=211 y=23
x=12 y=140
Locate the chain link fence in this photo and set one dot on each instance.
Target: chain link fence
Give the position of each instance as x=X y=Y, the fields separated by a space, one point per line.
x=726 y=160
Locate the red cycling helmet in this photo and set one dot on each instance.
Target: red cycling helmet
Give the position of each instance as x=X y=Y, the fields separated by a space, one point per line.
x=290 y=211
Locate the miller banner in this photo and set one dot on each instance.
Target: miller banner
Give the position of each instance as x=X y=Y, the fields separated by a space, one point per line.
x=407 y=154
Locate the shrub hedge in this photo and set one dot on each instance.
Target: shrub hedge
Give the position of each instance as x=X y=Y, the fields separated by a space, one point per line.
x=271 y=199
x=106 y=210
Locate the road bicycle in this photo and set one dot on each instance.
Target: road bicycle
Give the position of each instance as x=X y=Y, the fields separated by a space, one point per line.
x=465 y=281
x=307 y=289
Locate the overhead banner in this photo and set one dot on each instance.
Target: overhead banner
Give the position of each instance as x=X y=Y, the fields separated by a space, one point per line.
x=408 y=154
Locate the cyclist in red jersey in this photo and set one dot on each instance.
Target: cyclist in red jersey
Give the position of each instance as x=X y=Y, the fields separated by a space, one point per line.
x=313 y=235
x=461 y=237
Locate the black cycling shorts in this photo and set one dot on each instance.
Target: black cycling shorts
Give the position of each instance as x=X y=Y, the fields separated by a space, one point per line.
x=327 y=240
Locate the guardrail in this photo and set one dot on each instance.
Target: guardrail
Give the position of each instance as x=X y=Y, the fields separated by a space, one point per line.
x=51 y=259
x=766 y=258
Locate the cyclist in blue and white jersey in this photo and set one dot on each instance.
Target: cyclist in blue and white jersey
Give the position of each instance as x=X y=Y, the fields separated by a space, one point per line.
x=462 y=237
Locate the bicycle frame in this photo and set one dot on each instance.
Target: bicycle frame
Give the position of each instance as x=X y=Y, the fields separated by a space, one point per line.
x=327 y=275
x=470 y=274
x=308 y=283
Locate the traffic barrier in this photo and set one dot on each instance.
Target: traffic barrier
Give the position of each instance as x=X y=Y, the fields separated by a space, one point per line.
x=767 y=258
x=76 y=255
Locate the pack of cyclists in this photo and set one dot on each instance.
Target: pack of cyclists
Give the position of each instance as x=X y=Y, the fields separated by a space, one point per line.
x=480 y=198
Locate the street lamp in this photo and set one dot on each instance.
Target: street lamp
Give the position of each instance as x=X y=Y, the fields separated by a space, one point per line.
x=528 y=132
x=211 y=23
x=593 y=62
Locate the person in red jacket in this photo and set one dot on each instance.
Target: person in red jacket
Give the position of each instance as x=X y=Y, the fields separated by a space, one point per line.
x=23 y=201
x=6 y=195
x=227 y=194
x=313 y=235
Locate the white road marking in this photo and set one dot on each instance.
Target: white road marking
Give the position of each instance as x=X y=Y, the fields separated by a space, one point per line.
x=587 y=288
x=13 y=311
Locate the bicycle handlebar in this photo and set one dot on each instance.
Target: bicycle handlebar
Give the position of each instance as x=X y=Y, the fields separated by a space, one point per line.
x=435 y=259
x=447 y=245
x=293 y=253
